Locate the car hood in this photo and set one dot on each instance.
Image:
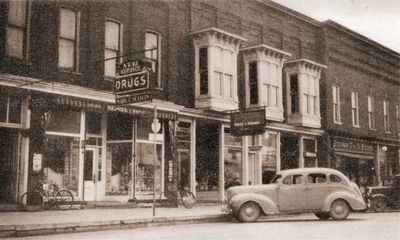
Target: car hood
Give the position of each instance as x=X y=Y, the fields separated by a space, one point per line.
x=250 y=189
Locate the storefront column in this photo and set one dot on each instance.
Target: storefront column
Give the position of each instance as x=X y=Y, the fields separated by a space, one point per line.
x=221 y=162
x=24 y=162
x=245 y=159
x=301 y=152
x=258 y=162
x=82 y=154
x=193 y=157
x=103 y=152
x=278 y=151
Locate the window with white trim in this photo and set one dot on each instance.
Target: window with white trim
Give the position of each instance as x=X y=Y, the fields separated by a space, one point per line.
x=354 y=109
x=310 y=97
x=153 y=53
x=112 y=47
x=371 y=112
x=386 y=119
x=222 y=76
x=336 y=104
x=271 y=85
x=10 y=110
x=16 y=29
x=68 y=39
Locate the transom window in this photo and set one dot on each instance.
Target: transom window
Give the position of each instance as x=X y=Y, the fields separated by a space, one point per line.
x=112 y=47
x=153 y=53
x=16 y=30
x=68 y=39
x=354 y=109
x=10 y=110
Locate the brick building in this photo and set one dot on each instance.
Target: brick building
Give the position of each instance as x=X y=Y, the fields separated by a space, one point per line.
x=59 y=122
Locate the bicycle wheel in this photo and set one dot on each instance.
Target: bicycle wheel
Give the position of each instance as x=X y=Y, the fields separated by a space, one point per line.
x=188 y=199
x=64 y=200
x=31 y=201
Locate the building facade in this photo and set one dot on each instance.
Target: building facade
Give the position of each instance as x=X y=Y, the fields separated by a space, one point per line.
x=59 y=122
x=361 y=88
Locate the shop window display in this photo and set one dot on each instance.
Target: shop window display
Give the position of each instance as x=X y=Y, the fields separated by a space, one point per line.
x=62 y=158
x=119 y=168
x=145 y=167
x=233 y=160
x=268 y=157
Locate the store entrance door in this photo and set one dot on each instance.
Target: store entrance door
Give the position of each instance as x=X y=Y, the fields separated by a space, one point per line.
x=8 y=164
x=90 y=174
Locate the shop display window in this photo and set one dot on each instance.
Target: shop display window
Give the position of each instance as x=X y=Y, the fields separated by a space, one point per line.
x=62 y=162
x=93 y=123
x=183 y=144
x=145 y=167
x=268 y=157
x=233 y=161
x=119 y=168
x=310 y=153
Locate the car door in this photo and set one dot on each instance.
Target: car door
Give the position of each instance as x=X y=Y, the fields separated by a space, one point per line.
x=291 y=196
x=316 y=188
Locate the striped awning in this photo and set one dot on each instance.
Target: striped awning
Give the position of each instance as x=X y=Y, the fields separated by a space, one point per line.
x=78 y=103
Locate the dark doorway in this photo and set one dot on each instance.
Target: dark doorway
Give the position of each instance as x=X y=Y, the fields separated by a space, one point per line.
x=8 y=164
x=289 y=152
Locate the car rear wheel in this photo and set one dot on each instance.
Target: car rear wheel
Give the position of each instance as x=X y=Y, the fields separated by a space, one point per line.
x=339 y=210
x=378 y=204
x=249 y=212
x=323 y=215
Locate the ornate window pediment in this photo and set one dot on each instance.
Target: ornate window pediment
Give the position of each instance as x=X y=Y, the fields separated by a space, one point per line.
x=216 y=69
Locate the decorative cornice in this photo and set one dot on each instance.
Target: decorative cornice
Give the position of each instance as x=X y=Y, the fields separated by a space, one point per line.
x=306 y=63
x=267 y=50
x=220 y=34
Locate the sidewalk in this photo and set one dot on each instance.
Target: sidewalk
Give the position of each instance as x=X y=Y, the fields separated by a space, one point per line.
x=18 y=224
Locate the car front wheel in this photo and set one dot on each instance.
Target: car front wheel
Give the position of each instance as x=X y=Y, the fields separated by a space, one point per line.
x=378 y=204
x=339 y=210
x=249 y=212
x=323 y=215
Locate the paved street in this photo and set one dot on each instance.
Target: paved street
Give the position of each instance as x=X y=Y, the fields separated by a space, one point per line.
x=358 y=226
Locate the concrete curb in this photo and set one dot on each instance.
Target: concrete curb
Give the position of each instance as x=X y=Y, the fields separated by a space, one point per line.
x=77 y=227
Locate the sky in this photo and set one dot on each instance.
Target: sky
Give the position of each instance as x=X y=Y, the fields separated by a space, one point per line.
x=378 y=20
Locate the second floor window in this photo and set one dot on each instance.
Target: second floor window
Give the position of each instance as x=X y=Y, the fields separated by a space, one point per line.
x=253 y=83
x=294 y=94
x=371 y=112
x=112 y=47
x=203 y=70
x=16 y=31
x=336 y=103
x=354 y=109
x=310 y=97
x=68 y=40
x=153 y=51
x=386 y=120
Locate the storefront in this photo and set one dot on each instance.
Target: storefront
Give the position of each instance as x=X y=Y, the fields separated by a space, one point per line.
x=365 y=163
x=13 y=145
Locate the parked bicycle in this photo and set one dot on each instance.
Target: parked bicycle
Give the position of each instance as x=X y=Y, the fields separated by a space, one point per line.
x=182 y=197
x=49 y=196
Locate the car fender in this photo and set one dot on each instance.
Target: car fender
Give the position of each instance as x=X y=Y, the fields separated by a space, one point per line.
x=356 y=203
x=379 y=195
x=267 y=205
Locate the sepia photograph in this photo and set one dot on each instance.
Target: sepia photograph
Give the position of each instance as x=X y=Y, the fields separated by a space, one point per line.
x=200 y=119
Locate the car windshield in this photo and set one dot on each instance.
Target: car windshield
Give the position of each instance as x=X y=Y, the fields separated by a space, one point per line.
x=276 y=178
